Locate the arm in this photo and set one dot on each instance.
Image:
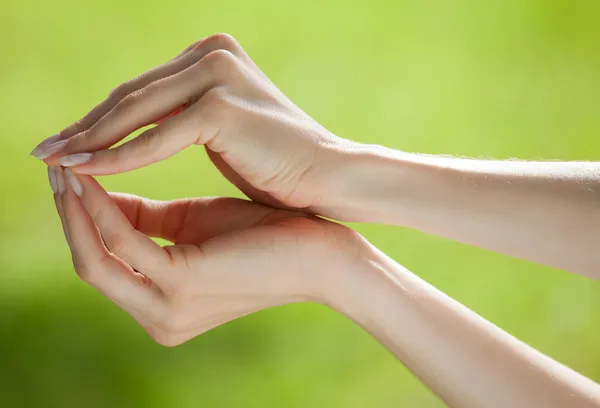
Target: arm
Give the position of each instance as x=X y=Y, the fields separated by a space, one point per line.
x=547 y=212
x=232 y=258
x=277 y=155
x=466 y=360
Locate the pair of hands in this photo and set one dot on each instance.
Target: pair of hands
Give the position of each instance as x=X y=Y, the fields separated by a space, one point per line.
x=233 y=257
x=230 y=257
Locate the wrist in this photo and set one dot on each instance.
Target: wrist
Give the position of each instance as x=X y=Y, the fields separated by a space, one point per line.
x=362 y=277
x=381 y=185
x=370 y=184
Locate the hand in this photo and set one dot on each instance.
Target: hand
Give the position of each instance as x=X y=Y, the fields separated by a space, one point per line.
x=213 y=95
x=231 y=257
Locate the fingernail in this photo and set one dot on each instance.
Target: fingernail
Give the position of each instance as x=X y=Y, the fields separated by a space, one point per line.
x=46 y=142
x=50 y=150
x=52 y=179
x=75 y=184
x=75 y=159
x=60 y=179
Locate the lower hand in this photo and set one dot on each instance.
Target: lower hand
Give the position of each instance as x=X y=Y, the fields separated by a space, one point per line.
x=231 y=257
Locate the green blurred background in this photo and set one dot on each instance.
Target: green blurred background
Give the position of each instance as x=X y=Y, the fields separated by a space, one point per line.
x=502 y=79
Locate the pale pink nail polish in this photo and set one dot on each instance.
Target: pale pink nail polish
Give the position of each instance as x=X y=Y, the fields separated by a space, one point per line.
x=60 y=180
x=74 y=182
x=50 y=150
x=75 y=159
x=45 y=143
x=52 y=179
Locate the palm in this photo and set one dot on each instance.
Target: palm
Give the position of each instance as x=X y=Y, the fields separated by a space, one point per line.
x=234 y=256
x=231 y=257
x=194 y=221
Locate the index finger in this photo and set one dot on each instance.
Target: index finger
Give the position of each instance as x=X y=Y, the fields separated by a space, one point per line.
x=181 y=61
x=96 y=265
x=119 y=236
x=49 y=150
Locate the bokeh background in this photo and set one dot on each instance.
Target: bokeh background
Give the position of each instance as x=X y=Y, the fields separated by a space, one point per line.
x=494 y=79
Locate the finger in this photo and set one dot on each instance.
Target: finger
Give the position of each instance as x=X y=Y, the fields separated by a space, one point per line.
x=222 y=41
x=151 y=104
x=56 y=189
x=188 y=48
x=48 y=148
x=51 y=152
x=98 y=267
x=144 y=321
x=171 y=67
x=177 y=64
x=192 y=221
x=170 y=115
x=44 y=151
x=158 y=219
x=198 y=124
x=120 y=237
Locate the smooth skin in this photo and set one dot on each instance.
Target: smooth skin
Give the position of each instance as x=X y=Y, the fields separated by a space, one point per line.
x=214 y=95
x=277 y=155
x=232 y=257
x=227 y=259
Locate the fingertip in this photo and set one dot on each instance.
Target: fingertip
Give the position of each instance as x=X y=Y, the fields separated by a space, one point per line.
x=52 y=179
x=98 y=163
x=41 y=147
x=46 y=151
x=76 y=159
x=88 y=183
x=74 y=182
x=60 y=180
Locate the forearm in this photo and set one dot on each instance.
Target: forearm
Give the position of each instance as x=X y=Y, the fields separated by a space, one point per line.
x=464 y=359
x=545 y=212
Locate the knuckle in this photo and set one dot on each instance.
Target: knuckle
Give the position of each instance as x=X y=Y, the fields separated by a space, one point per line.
x=223 y=41
x=118 y=91
x=116 y=243
x=85 y=273
x=79 y=140
x=75 y=129
x=220 y=60
x=195 y=44
x=150 y=90
x=77 y=126
x=170 y=322
x=165 y=339
x=92 y=272
x=122 y=90
x=128 y=101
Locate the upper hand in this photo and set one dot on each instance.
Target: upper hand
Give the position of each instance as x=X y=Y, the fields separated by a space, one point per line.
x=214 y=95
x=231 y=257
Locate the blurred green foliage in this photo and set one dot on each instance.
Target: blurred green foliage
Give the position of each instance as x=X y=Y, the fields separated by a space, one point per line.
x=502 y=79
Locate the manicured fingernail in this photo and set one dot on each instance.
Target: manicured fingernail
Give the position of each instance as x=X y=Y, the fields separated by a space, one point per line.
x=60 y=179
x=75 y=159
x=45 y=143
x=50 y=150
x=75 y=184
x=52 y=178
